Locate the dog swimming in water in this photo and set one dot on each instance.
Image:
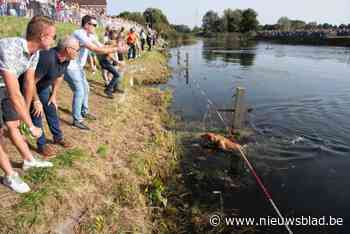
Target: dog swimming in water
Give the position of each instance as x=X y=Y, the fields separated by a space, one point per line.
x=221 y=142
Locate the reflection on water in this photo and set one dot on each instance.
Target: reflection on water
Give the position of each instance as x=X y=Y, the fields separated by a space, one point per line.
x=301 y=101
x=234 y=53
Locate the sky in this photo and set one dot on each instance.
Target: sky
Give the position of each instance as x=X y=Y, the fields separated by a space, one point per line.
x=190 y=12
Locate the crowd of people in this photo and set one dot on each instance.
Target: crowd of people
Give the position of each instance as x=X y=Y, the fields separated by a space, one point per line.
x=316 y=33
x=31 y=73
x=27 y=7
x=59 y=10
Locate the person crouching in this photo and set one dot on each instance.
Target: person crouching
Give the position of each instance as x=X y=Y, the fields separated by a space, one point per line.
x=108 y=63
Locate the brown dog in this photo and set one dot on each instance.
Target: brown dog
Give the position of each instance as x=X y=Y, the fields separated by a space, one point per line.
x=221 y=142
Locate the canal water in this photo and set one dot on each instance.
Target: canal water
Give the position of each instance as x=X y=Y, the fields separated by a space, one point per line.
x=300 y=97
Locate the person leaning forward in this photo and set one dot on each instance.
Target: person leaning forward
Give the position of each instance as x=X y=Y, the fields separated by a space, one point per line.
x=18 y=56
x=49 y=73
x=75 y=75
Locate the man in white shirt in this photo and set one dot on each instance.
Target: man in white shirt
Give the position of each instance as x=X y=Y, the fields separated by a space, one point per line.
x=75 y=75
x=20 y=56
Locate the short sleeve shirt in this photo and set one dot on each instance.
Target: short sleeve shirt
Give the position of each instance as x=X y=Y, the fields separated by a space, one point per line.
x=49 y=68
x=15 y=57
x=84 y=38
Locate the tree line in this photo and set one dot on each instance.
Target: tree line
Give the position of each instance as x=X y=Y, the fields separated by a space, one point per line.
x=286 y=24
x=156 y=19
x=231 y=21
x=152 y=17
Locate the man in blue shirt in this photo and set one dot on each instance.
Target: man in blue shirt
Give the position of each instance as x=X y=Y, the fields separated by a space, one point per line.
x=49 y=74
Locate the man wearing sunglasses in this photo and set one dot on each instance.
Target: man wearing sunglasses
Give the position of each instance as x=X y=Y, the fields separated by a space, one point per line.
x=49 y=73
x=75 y=75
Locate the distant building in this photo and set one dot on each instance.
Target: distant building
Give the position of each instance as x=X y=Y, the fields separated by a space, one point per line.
x=93 y=4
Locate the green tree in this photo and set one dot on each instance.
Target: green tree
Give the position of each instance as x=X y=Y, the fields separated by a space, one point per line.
x=196 y=29
x=297 y=24
x=232 y=20
x=155 y=16
x=311 y=25
x=182 y=28
x=133 y=16
x=284 y=23
x=211 y=22
x=249 y=21
x=158 y=21
x=326 y=26
x=124 y=14
x=270 y=27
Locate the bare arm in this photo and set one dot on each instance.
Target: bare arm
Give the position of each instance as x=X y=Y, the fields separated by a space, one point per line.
x=102 y=49
x=30 y=87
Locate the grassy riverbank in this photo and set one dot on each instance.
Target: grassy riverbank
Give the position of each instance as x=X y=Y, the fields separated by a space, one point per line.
x=112 y=181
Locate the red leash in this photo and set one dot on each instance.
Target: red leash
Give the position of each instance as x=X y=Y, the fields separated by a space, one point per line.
x=262 y=186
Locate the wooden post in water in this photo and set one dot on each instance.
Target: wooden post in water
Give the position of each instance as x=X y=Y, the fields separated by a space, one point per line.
x=187 y=67
x=187 y=60
x=239 y=107
x=178 y=57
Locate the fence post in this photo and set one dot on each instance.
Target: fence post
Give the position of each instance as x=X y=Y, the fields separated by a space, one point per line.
x=239 y=107
x=187 y=68
x=187 y=60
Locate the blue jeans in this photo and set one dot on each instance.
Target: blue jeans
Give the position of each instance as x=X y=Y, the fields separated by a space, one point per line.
x=76 y=79
x=2 y=10
x=51 y=117
x=132 y=51
x=113 y=84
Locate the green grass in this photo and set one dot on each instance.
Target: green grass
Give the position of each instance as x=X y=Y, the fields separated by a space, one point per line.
x=102 y=151
x=139 y=164
x=34 y=199
x=68 y=157
x=16 y=26
x=45 y=183
x=40 y=175
x=155 y=192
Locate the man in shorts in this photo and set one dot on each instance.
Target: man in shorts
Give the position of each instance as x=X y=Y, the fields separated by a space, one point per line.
x=20 y=56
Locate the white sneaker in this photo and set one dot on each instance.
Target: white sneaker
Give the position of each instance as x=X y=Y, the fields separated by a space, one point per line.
x=36 y=163
x=16 y=183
